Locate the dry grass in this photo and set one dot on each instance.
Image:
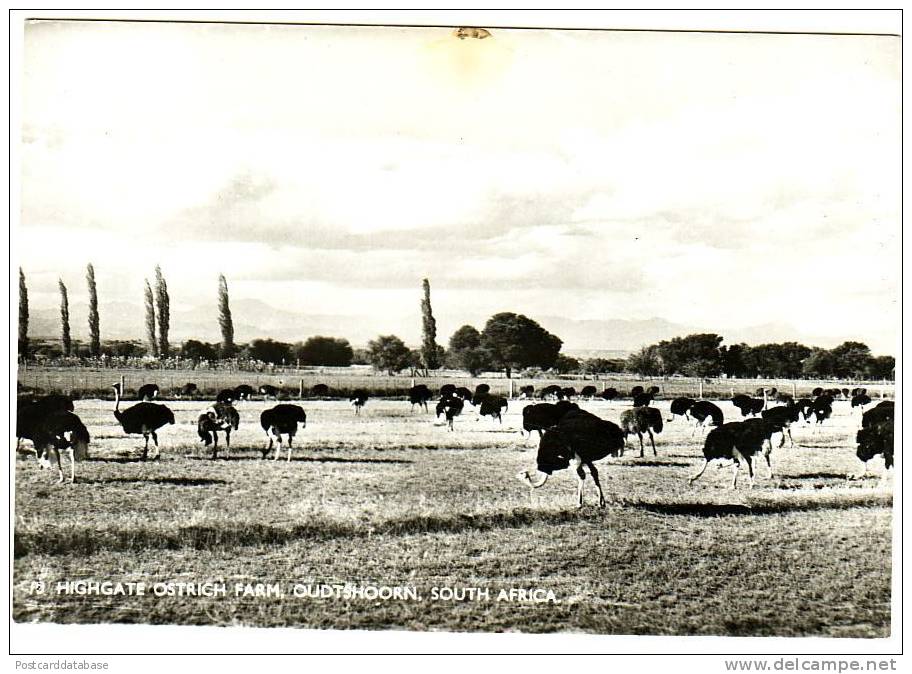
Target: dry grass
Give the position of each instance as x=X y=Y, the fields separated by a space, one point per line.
x=390 y=497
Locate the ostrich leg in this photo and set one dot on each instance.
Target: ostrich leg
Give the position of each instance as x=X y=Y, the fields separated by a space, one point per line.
x=145 y=453
x=652 y=440
x=278 y=446
x=581 y=474
x=598 y=485
x=290 y=438
x=702 y=470
x=640 y=436
x=72 y=456
x=155 y=440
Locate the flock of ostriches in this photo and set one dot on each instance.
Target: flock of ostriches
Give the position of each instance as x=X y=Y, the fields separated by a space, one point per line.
x=568 y=435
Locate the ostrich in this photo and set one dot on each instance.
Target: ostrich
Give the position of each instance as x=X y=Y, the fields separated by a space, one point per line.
x=419 y=395
x=552 y=391
x=282 y=420
x=681 y=407
x=61 y=430
x=543 y=416
x=320 y=391
x=492 y=406
x=876 y=435
x=189 y=390
x=588 y=392
x=481 y=392
x=579 y=438
x=464 y=393
x=804 y=406
x=243 y=392
x=782 y=418
x=642 y=420
x=268 y=391
x=451 y=408
x=145 y=418
x=642 y=399
x=609 y=393
x=447 y=391
x=860 y=400
x=526 y=392
x=748 y=405
x=703 y=410
x=569 y=392
x=226 y=396
x=822 y=409
x=358 y=398
x=147 y=392
x=817 y=392
x=737 y=441
x=636 y=390
x=220 y=417
x=30 y=413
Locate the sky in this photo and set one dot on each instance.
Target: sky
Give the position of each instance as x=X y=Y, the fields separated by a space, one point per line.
x=719 y=180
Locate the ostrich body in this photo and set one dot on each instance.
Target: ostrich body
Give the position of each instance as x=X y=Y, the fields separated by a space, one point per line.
x=226 y=396
x=451 y=408
x=804 y=406
x=737 y=441
x=526 y=392
x=568 y=392
x=57 y=431
x=681 y=407
x=319 y=391
x=464 y=393
x=641 y=420
x=268 y=391
x=609 y=393
x=243 y=392
x=30 y=414
x=543 y=416
x=860 y=400
x=282 y=420
x=419 y=395
x=642 y=399
x=492 y=406
x=782 y=418
x=588 y=392
x=580 y=439
x=748 y=405
x=147 y=392
x=144 y=418
x=481 y=392
x=221 y=417
x=637 y=390
x=703 y=410
x=189 y=390
x=876 y=435
x=358 y=399
x=447 y=391
x=552 y=391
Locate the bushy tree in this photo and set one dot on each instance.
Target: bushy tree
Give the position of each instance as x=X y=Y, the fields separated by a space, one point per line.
x=603 y=365
x=566 y=364
x=645 y=362
x=124 y=349
x=388 y=353
x=465 y=351
x=736 y=360
x=269 y=351
x=514 y=341
x=324 y=351
x=820 y=363
x=196 y=350
x=851 y=360
x=696 y=355
x=882 y=367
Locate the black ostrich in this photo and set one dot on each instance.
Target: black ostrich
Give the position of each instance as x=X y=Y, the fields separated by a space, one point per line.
x=817 y=392
x=451 y=408
x=703 y=410
x=282 y=420
x=269 y=391
x=569 y=392
x=782 y=418
x=526 y=392
x=144 y=418
x=492 y=406
x=642 y=399
x=822 y=409
x=805 y=406
x=609 y=393
x=419 y=395
x=358 y=398
x=447 y=391
x=481 y=392
x=543 y=416
x=319 y=391
x=588 y=392
x=747 y=405
x=642 y=420
x=243 y=392
x=221 y=417
x=552 y=391
x=580 y=439
x=737 y=441
x=189 y=390
x=681 y=407
x=147 y=392
x=636 y=390
x=463 y=393
x=31 y=412
x=876 y=435
x=61 y=430
x=860 y=400
x=226 y=396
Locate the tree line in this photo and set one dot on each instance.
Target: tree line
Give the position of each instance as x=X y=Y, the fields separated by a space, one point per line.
x=507 y=342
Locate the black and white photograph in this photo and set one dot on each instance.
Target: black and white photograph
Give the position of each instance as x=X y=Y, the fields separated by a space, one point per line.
x=461 y=329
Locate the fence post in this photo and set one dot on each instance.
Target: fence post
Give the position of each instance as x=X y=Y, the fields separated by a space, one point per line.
x=794 y=390
x=511 y=389
x=301 y=390
x=701 y=389
x=123 y=390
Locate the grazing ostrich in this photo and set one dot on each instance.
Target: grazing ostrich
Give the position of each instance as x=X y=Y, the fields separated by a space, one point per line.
x=580 y=439
x=492 y=406
x=282 y=420
x=785 y=398
x=464 y=393
x=189 y=390
x=805 y=406
x=703 y=410
x=30 y=413
x=860 y=400
x=243 y=392
x=526 y=392
x=268 y=391
x=481 y=392
x=588 y=392
x=681 y=407
x=543 y=416
x=358 y=398
x=145 y=418
x=737 y=441
x=147 y=392
x=552 y=391
x=782 y=418
x=748 y=405
x=609 y=393
x=642 y=420
x=451 y=408
x=822 y=409
x=636 y=390
x=447 y=391
x=419 y=395
x=642 y=399
x=220 y=417
x=876 y=435
x=569 y=392
x=226 y=396
x=61 y=430
x=319 y=391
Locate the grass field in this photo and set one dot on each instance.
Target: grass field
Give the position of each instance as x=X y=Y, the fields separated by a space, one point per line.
x=391 y=498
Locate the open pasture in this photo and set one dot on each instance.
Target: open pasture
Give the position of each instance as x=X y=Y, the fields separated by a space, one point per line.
x=391 y=498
